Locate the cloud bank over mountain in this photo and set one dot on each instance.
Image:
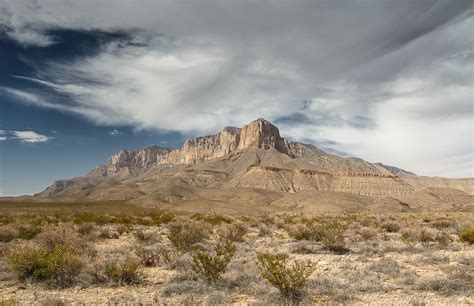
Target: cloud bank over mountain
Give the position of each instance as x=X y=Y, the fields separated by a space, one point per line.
x=386 y=81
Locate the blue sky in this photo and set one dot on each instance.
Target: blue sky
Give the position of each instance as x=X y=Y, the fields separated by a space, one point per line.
x=385 y=81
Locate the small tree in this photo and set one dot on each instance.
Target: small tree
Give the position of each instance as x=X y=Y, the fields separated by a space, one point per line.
x=289 y=280
x=212 y=266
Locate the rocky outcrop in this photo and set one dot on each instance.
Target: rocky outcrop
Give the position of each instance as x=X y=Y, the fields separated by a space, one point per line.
x=200 y=149
x=259 y=133
x=262 y=134
x=135 y=160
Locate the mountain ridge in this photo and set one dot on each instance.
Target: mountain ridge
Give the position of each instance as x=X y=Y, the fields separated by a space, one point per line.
x=254 y=157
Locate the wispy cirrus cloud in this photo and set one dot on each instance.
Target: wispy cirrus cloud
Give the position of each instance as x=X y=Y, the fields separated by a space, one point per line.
x=29 y=136
x=24 y=136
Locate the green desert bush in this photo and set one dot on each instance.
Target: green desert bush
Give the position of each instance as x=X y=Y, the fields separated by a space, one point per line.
x=211 y=266
x=331 y=235
x=185 y=234
x=289 y=280
x=58 y=265
x=123 y=272
x=467 y=235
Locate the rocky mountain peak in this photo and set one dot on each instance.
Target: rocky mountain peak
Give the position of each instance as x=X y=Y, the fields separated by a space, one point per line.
x=263 y=134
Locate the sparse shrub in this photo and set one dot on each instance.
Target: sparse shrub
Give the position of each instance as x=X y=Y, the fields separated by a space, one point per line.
x=62 y=234
x=408 y=236
x=458 y=280
x=106 y=233
x=28 y=232
x=125 y=272
x=425 y=237
x=122 y=229
x=331 y=235
x=184 y=235
x=165 y=254
x=300 y=232
x=290 y=281
x=386 y=266
x=59 y=265
x=442 y=222
x=367 y=233
x=264 y=230
x=52 y=301
x=8 y=233
x=143 y=236
x=467 y=235
x=391 y=226
x=443 y=239
x=234 y=232
x=212 y=219
x=85 y=229
x=211 y=266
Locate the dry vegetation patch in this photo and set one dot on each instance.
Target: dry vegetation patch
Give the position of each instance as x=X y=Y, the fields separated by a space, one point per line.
x=130 y=255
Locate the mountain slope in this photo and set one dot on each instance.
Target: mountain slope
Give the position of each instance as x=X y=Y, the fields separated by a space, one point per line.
x=254 y=157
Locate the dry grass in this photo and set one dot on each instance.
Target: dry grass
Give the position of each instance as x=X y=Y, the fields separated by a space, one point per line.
x=391 y=260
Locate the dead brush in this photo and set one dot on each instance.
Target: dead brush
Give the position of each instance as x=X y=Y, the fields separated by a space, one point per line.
x=234 y=232
x=86 y=229
x=391 y=226
x=8 y=233
x=443 y=239
x=300 y=231
x=143 y=236
x=425 y=237
x=62 y=234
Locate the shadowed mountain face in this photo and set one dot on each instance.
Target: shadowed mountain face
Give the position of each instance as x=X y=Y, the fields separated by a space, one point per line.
x=254 y=157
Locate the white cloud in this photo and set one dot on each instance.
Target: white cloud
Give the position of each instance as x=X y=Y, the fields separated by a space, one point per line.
x=397 y=90
x=29 y=136
x=115 y=132
x=3 y=138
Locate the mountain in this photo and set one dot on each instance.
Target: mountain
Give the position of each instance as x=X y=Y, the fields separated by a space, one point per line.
x=253 y=164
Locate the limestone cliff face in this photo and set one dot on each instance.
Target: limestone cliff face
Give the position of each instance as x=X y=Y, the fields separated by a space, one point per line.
x=142 y=159
x=262 y=134
x=259 y=133
x=200 y=149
